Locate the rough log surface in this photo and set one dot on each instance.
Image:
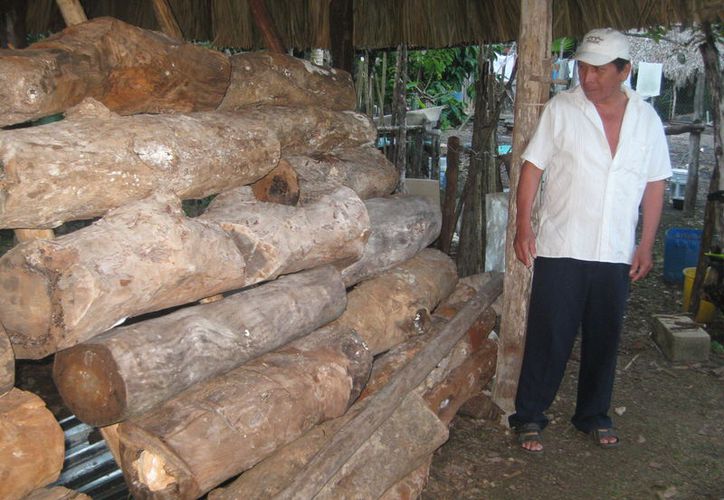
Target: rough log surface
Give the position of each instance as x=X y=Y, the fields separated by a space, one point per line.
x=7 y=363
x=281 y=185
x=278 y=239
x=279 y=79
x=143 y=257
x=56 y=493
x=410 y=487
x=401 y=444
x=365 y=170
x=129 y=69
x=220 y=427
x=94 y=161
x=401 y=226
x=130 y=369
x=396 y=305
x=32 y=446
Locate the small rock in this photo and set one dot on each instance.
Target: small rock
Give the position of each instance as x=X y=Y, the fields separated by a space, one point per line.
x=655 y=465
x=641 y=439
x=620 y=410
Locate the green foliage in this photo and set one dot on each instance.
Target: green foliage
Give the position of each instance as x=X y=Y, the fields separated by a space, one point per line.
x=717 y=348
x=563 y=44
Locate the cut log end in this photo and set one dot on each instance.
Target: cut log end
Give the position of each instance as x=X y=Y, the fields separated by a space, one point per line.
x=149 y=468
x=281 y=185
x=88 y=380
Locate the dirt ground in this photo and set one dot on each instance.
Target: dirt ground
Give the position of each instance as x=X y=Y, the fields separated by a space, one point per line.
x=670 y=416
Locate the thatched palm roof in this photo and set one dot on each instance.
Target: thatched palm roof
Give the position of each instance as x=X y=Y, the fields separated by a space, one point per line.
x=304 y=24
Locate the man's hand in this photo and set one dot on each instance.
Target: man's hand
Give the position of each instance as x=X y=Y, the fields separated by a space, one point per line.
x=524 y=245
x=641 y=264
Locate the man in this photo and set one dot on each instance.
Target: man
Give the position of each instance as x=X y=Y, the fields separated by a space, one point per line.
x=602 y=154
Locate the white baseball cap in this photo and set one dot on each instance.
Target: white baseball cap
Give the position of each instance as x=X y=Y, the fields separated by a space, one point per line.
x=601 y=46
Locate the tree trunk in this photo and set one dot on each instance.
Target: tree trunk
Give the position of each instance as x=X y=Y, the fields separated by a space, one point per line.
x=399 y=114
x=148 y=256
x=166 y=20
x=365 y=170
x=401 y=226
x=279 y=239
x=401 y=444
x=282 y=80
x=410 y=487
x=223 y=426
x=7 y=363
x=692 y=178
x=31 y=444
x=451 y=194
x=131 y=369
x=531 y=91
x=120 y=159
x=396 y=305
x=379 y=407
x=56 y=493
x=129 y=69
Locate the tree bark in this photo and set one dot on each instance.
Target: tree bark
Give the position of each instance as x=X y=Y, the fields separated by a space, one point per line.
x=148 y=256
x=128 y=69
x=531 y=91
x=278 y=239
x=56 y=493
x=88 y=164
x=281 y=185
x=410 y=487
x=282 y=80
x=166 y=20
x=344 y=443
x=31 y=444
x=365 y=170
x=131 y=369
x=401 y=226
x=451 y=193
x=398 y=446
x=396 y=305
x=7 y=363
x=399 y=115
x=692 y=178
x=223 y=426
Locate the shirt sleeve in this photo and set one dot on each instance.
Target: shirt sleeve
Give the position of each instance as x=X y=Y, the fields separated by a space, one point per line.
x=659 y=165
x=541 y=147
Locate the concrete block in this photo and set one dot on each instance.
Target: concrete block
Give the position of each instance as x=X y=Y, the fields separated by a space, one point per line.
x=680 y=338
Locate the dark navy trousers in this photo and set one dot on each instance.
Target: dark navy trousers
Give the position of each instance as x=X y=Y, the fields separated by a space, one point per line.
x=568 y=295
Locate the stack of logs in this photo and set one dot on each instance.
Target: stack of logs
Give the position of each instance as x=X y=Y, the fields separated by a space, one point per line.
x=298 y=332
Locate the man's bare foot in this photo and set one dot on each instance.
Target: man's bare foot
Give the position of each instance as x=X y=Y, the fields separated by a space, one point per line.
x=529 y=437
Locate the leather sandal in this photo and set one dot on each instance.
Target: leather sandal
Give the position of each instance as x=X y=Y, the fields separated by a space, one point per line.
x=598 y=434
x=529 y=433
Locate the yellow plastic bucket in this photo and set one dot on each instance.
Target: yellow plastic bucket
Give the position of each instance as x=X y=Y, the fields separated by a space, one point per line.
x=706 y=309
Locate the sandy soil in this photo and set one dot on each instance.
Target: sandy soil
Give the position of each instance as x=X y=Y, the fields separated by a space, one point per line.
x=670 y=416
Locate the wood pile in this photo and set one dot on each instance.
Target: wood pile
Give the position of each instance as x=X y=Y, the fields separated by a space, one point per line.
x=300 y=310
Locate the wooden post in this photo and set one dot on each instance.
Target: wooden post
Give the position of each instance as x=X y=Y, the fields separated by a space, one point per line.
x=532 y=91
x=265 y=24
x=336 y=452
x=692 y=179
x=714 y=209
x=341 y=27
x=72 y=12
x=12 y=25
x=451 y=189
x=399 y=112
x=166 y=20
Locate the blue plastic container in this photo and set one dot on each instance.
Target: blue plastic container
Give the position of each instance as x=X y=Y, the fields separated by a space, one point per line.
x=681 y=250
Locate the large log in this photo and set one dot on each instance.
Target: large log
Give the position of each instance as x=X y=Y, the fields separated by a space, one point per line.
x=129 y=370
x=220 y=427
x=93 y=161
x=410 y=487
x=129 y=69
x=365 y=170
x=396 y=305
x=148 y=256
x=7 y=363
x=278 y=239
x=56 y=493
x=401 y=226
x=32 y=446
x=142 y=257
x=398 y=446
x=279 y=79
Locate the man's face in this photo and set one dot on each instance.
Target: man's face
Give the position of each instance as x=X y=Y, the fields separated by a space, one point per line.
x=601 y=83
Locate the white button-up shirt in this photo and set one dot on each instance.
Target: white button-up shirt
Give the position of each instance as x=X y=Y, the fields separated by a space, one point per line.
x=590 y=201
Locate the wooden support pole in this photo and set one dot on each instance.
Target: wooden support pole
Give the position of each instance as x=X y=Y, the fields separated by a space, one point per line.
x=381 y=405
x=265 y=24
x=692 y=179
x=399 y=112
x=451 y=189
x=341 y=27
x=72 y=12
x=534 y=43
x=166 y=19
